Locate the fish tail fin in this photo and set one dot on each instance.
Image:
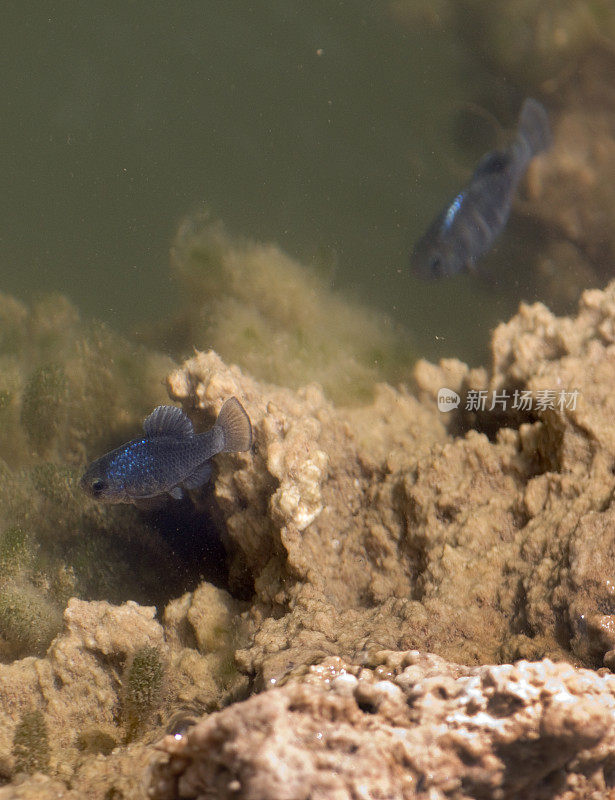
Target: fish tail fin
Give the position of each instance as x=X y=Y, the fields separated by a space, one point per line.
x=533 y=130
x=235 y=425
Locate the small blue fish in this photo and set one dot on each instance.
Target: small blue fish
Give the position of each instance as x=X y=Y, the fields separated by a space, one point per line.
x=170 y=456
x=469 y=225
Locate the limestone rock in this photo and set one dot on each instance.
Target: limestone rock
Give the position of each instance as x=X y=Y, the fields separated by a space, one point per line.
x=415 y=727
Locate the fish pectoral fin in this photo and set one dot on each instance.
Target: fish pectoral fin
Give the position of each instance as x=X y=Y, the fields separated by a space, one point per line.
x=198 y=477
x=168 y=421
x=176 y=493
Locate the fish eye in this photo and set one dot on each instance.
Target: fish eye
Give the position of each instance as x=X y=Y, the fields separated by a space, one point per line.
x=97 y=485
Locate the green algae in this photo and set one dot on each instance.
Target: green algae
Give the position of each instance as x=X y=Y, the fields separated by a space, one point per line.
x=142 y=688
x=29 y=619
x=225 y=671
x=54 y=482
x=259 y=308
x=70 y=390
x=13 y=325
x=43 y=405
x=31 y=743
x=15 y=551
x=94 y=741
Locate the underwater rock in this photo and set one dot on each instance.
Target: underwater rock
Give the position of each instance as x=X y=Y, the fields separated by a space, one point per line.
x=213 y=616
x=406 y=528
x=118 y=776
x=204 y=629
x=560 y=570
x=38 y=787
x=483 y=535
x=374 y=527
x=531 y=42
x=77 y=684
x=298 y=512
x=571 y=192
x=108 y=630
x=107 y=678
x=28 y=619
x=414 y=727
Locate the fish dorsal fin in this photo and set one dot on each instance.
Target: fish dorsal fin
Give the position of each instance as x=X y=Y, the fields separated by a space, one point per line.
x=168 y=421
x=492 y=163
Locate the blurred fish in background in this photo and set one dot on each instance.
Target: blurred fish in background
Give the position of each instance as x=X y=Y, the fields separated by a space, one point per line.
x=469 y=225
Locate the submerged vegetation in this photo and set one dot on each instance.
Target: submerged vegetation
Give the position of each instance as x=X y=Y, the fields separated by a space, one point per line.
x=29 y=618
x=70 y=391
x=67 y=389
x=31 y=743
x=43 y=405
x=143 y=683
x=259 y=308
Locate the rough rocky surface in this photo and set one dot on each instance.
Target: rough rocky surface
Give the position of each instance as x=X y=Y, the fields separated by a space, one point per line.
x=355 y=535
x=571 y=191
x=563 y=573
x=311 y=520
x=416 y=727
x=486 y=542
x=373 y=527
x=536 y=43
x=87 y=687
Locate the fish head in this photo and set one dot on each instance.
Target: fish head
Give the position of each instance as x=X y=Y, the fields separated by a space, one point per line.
x=98 y=481
x=433 y=257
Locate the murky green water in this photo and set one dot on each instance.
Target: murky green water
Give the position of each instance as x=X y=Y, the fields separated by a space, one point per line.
x=331 y=128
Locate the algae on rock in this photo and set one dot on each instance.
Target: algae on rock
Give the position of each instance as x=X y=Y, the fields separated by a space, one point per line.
x=31 y=743
x=373 y=526
x=143 y=683
x=352 y=530
x=29 y=619
x=68 y=390
x=261 y=309
x=43 y=405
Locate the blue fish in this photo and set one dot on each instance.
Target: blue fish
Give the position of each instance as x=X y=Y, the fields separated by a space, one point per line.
x=469 y=225
x=170 y=456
